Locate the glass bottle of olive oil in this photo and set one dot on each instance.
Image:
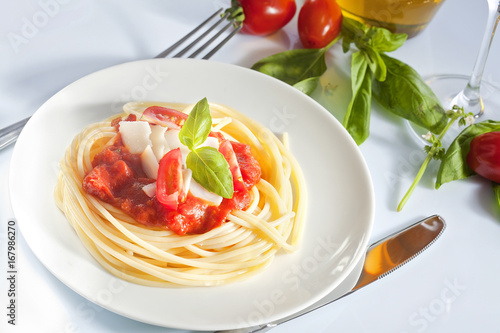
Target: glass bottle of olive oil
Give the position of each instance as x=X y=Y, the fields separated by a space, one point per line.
x=408 y=16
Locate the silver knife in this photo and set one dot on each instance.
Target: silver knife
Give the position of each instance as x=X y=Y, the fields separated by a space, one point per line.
x=382 y=258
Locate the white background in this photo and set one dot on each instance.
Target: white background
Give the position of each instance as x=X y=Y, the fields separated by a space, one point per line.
x=452 y=287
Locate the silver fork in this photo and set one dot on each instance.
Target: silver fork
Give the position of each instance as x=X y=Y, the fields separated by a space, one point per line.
x=203 y=33
x=206 y=34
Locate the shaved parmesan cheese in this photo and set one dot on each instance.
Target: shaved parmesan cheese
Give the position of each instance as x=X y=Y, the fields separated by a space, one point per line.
x=200 y=192
x=135 y=135
x=172 y=138
x=173 y=142
x=150 y=189
x=210 y=142
x=187 y=175
x=149 y=163
x=159 y=144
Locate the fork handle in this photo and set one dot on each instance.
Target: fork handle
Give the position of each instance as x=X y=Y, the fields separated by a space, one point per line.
x=10 y=133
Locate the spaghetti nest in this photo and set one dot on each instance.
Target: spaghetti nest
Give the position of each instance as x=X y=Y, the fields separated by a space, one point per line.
x=244 y=245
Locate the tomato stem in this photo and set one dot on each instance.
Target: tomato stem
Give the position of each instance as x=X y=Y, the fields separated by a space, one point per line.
x=235 y=12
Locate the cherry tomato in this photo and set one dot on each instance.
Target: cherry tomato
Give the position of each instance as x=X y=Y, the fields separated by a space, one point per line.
x=249 y=166
x=263 y=17
x=164 y=116
x=484 y=155
x=169 y=184
x=319 y=23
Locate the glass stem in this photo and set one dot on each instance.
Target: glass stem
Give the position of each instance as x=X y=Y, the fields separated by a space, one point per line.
x=470 y=95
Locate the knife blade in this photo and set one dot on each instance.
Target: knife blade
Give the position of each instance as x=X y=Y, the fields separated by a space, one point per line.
x=382 y=258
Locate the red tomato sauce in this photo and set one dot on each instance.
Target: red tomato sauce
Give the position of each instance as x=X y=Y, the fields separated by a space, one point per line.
x=117 y=178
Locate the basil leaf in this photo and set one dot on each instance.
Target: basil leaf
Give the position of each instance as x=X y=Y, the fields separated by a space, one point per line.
x=496 y=190
x=382 y=40
x=307 y=86
x=376 y=64
x=376 y=38
x=357 y=118
x=454 y=163
x=352 y=32
x=197 y=126
x=211 y=170
x=405 y=94
x=293 y=66
x=347 y=40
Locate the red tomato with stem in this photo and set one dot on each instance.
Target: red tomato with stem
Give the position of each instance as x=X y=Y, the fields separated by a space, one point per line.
x=319 y=23
x=170 y=184
x=484 y=155
x=263 y=17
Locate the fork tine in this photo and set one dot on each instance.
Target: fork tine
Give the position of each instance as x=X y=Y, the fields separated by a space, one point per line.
x=183 y=39
x=224 y=41
x=197 y=40
x=211 y=40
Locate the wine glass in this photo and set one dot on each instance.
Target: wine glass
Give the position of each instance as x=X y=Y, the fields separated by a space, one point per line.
x=462 y=90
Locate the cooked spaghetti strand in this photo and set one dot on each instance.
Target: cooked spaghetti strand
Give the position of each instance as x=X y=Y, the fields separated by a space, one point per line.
x=242 y=246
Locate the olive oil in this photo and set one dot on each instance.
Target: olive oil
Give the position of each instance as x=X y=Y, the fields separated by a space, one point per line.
x=406 y=16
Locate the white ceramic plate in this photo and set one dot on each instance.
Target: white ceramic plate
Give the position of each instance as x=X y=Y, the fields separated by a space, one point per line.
x=340 y=207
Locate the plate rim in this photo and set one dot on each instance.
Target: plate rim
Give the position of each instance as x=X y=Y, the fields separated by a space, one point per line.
x=16 y=209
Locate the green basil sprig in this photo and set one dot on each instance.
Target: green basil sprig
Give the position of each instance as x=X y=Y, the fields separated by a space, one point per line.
x=435 y=149
x=366 y=65
x=210 y=168
x=395 y=85
x=454 y=163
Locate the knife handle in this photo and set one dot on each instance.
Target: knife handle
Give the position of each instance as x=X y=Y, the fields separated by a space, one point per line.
x=10 y=133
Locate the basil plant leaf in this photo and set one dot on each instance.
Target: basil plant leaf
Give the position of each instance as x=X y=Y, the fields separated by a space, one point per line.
x=385 y=41
x=197 y=126
x=405 y=94
x=496 y=190
x=352 y=31
x=211 y=170
x=346 y=43
x=307 y=86
x=376 y=38
x=357 y=118
x=293 y=66
x=376 y=64
x=454 y=163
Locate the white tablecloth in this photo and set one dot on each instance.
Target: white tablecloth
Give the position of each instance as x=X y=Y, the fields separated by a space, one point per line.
x=452 y=287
